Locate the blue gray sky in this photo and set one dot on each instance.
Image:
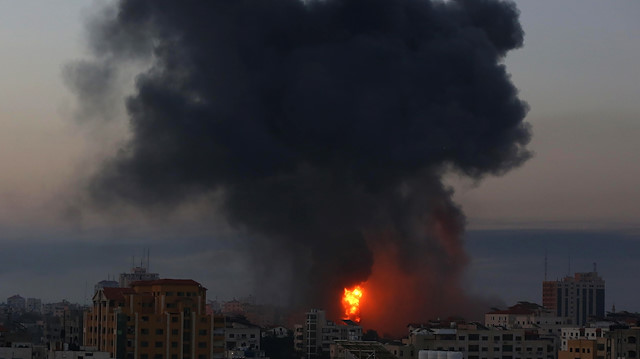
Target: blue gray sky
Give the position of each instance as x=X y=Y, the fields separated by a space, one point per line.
x=577 y=197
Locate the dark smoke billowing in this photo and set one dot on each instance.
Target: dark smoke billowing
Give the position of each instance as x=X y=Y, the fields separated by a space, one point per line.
x=326 y=125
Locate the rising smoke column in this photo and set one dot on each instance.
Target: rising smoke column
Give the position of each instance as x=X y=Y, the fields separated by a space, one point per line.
x=326 y=125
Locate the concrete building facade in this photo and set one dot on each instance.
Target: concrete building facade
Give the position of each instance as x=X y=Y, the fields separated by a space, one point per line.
x=163 y=318
x=577 y=298
x=314 y=338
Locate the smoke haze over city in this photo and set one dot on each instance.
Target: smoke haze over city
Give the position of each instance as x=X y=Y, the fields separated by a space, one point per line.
x=290 y=149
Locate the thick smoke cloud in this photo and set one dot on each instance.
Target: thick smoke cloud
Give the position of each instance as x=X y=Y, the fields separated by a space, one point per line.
x=326 y=125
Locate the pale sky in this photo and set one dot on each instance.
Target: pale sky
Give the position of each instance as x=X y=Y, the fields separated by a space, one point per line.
x=578 y=71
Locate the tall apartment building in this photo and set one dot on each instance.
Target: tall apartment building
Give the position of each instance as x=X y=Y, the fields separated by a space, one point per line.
x=576 y=298
x=164 y=318
x=315 y=337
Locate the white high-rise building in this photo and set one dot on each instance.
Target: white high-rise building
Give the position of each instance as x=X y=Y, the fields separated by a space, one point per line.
x=318 y=334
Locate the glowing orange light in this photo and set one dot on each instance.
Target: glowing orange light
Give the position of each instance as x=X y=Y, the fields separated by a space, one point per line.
x=351 y=303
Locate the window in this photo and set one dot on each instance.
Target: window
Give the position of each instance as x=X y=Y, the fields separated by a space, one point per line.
x=158 y=344
x=157 y=356
x=174 y=319
x=202 y=332
x=202 y=344
x=145 y=318
x=174 y=331
x=174 y=344
x=144 y=356
x=462 y=337
x=159 y=331
x=144 y=344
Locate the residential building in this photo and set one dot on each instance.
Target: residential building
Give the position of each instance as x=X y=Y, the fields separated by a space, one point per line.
x=569 y=334
x=360 y=349
x=476 y=342
x=242 y=336
x=318 y=334
x=16 y=302
x=34 y=305
x=624 y=343
x=137 y=274
x=105 y=284
x=164 y=318
x=577 y=298
x=579 y=349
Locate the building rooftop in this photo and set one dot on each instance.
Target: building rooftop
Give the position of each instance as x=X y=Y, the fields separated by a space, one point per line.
x=116 y=293
x=166 y=282
x=364 y=350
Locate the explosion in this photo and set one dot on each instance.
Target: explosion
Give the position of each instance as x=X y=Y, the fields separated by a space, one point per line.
x=351 y=303
x=321 y=131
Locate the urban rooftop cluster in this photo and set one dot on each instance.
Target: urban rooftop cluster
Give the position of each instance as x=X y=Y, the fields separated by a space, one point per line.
x=143 y=316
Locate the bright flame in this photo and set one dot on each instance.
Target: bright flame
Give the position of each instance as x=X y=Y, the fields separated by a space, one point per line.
x=351 y=303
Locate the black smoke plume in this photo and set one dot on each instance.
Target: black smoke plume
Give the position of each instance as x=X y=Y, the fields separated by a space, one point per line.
x=326 y=125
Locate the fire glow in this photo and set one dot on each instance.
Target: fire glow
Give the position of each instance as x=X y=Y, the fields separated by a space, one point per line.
x=351 y=303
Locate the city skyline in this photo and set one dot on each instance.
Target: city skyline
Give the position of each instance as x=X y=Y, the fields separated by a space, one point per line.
x=576 y=198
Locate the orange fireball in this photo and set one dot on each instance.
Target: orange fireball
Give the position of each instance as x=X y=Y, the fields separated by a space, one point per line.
x=351 y=303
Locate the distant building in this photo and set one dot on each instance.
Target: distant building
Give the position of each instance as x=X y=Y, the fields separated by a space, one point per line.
x=475 y=341
x=34 y=305
x=314 y=338
x=164 y=318
x=577 y=298
x=358 y=349
x=137 y=274
x=242 y=336
x=77 y=354
x=573 y=334
x=624 y=343
x=16 y=302
x=105 y=284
